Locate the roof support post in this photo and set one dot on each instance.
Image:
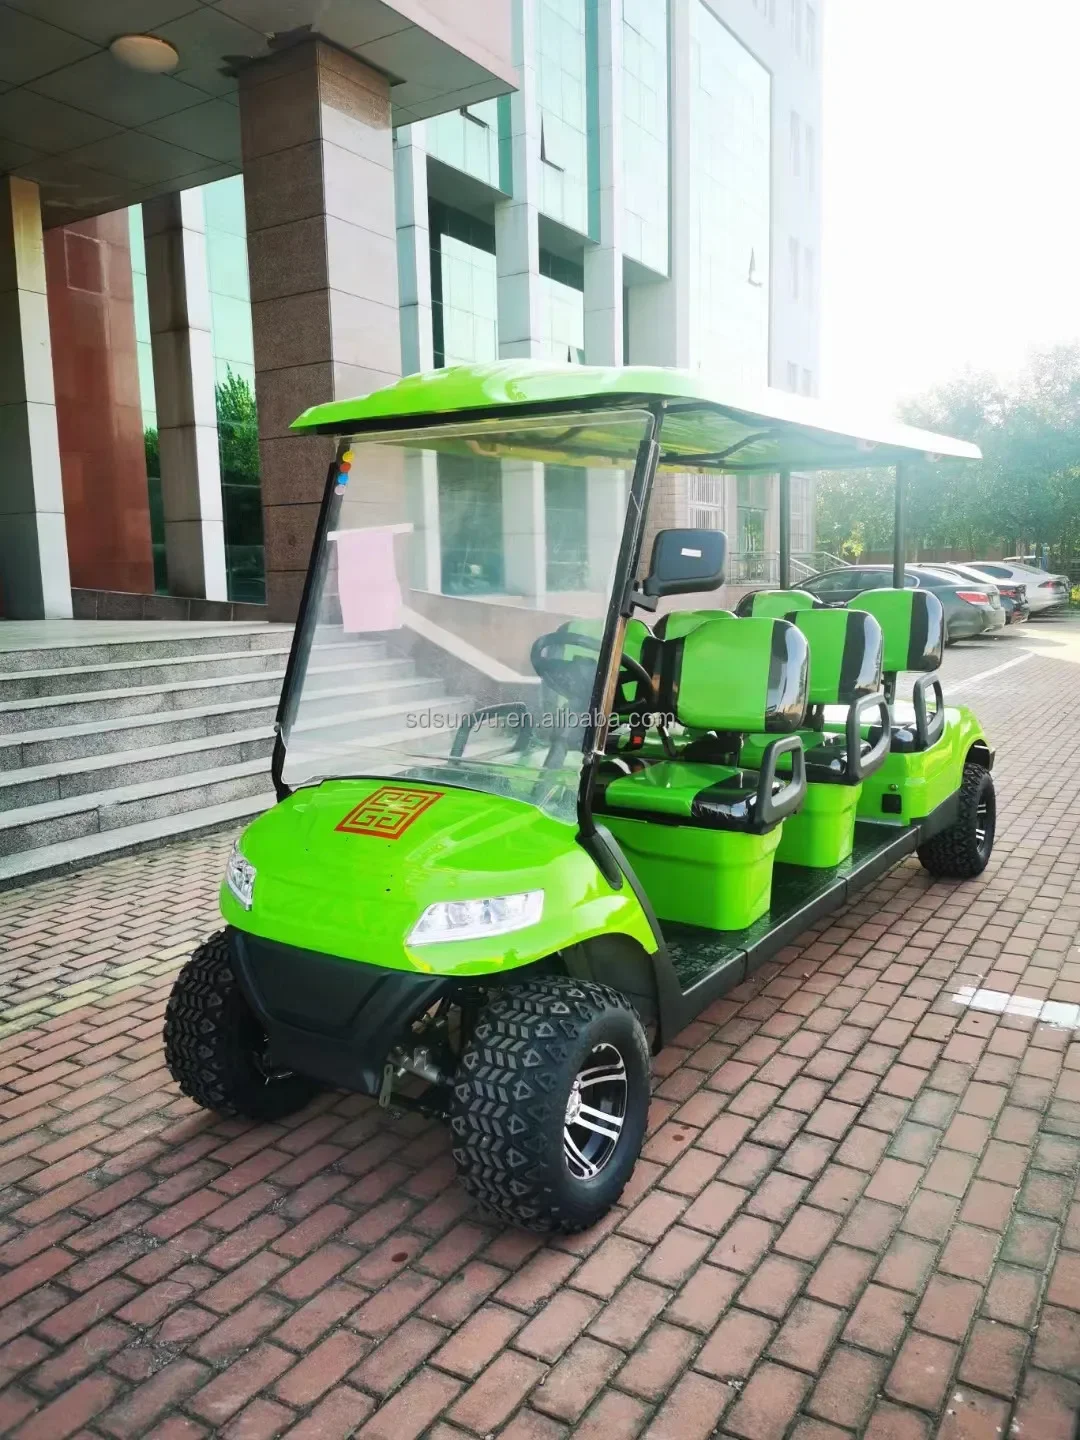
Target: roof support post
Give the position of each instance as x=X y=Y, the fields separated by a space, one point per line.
x=785 y=529
x=898 y=526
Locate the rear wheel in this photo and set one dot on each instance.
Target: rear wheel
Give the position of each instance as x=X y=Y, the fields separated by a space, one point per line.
x=215 y=1047
x=961 y=851
x=550 y=1103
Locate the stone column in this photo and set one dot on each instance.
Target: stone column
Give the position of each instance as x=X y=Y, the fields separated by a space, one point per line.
x=603 y=261
x=178 y=291
x=322 y=254
x=524 y=530
x=34 y=579
x=413 y=249
x=517 y=240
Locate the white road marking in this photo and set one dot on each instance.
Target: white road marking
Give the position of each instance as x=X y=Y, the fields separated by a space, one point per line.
x=998 y=1002
x=982 y=675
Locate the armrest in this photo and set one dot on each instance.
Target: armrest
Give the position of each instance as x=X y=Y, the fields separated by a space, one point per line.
x=492 y=712
x=859 y=766
x=929 y=725
x=771 y=809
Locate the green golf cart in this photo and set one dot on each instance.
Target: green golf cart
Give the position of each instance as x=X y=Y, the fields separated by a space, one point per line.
x=540 y=799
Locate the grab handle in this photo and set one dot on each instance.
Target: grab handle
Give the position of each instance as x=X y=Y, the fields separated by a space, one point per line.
x=770 y=808
x=929 y=725
x=859 y=766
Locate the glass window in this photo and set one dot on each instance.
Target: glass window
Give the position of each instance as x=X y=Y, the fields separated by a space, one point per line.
x=796 y=145
x=562 y=298
x=795 y=22
x=807 y=385
x=809 y=276
x=793 y=267
x=802 y=514
x=1002 y=572
x=811 y=37
x=464 y=287
x=793 y=377
x=561 y=97
x=645 y=133
x=706 y=502
x=468 y=140
x=729 y=204
x=811 y=160
x=830 y=584
x=431 y=590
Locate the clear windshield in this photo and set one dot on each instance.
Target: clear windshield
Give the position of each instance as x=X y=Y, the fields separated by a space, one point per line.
x=459 y=599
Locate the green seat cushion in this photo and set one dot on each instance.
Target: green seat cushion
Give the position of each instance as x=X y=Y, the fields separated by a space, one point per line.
x=737 y=675
x=713 y=796
x=779 y=604
x=846 y=652
x=913 y=622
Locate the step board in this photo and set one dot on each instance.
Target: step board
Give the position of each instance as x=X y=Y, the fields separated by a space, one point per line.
x=48 y=860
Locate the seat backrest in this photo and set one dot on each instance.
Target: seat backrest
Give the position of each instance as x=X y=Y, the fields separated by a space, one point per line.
x=776 y=604
x=913 y=622
x=680 y=622
x=846 y=653
x=738 y=676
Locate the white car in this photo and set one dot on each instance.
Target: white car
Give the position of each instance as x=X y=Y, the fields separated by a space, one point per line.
x=1044 y=591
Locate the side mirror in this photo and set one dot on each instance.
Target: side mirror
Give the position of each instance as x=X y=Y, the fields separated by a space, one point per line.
x=685 y=562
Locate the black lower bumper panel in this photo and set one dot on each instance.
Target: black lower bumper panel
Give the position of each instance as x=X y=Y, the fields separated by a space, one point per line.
x=335 y=1020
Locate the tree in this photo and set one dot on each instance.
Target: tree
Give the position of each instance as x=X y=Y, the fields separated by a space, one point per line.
x=1025 y=490
x=238 y=430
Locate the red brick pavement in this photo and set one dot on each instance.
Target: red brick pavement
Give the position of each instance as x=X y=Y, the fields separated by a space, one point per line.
x=856 y=1212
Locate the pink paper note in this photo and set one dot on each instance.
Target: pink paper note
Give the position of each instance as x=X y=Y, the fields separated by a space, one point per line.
x=368 y=586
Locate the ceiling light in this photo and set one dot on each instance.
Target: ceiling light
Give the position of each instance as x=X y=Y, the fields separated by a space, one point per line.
x=146 y=53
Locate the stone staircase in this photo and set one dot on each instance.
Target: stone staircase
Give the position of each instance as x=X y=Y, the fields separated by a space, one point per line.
x=106 y=747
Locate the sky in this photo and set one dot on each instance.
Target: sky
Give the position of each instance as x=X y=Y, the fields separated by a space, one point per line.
x=951 y=190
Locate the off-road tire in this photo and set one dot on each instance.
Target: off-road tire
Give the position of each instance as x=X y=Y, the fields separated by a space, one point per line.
x=213 y=1043
x=510 y=1098
x=957 y=853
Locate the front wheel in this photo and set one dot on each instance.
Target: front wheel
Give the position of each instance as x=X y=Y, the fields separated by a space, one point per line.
x=215 y=1047
x=550 y=1104
x=961 y=851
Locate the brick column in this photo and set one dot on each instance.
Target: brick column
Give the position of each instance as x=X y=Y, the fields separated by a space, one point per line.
x=322 y=255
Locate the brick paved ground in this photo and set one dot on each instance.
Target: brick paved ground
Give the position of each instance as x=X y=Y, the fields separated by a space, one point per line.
x=856 y=1211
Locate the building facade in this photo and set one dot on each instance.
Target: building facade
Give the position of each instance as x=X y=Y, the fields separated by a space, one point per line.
x=649 y=193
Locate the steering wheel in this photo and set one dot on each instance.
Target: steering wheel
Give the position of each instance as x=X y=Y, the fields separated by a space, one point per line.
x=572 y=677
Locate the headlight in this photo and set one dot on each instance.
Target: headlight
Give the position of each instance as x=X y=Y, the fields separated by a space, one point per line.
x=473 y=919
x=240 y=877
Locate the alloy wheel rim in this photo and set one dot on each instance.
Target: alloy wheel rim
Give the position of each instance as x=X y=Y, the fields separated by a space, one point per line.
x=984 y=825
x=595 y=1113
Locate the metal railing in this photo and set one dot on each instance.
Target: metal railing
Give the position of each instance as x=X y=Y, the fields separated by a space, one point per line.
x=762 y=567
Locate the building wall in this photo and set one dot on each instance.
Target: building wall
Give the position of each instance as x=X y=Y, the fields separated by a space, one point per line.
x=98 y=408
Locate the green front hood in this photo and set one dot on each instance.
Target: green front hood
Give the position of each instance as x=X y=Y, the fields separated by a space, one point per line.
x=347 y=868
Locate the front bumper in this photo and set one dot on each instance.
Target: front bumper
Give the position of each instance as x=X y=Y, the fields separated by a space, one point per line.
x=335 y=1020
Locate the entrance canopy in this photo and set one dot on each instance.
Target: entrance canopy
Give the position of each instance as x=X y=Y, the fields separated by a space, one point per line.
x=707 y=426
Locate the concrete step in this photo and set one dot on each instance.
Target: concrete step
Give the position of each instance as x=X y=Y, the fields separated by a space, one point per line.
x=52 y=710
x=47 y=860
x=42 y=784
x=134 y=674
x=182 y=640
x=73 y=819
x=30 y=749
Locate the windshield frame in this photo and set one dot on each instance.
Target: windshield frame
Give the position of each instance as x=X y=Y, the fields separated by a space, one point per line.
x=617 y=609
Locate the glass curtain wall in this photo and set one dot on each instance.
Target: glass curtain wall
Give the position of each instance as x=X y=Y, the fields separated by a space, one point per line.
x=645 y=132
x=729 y=204
x=561 y=67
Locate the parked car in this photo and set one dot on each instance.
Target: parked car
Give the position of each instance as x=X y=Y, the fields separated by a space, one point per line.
x=970 y=608
x=1045 y=592
x=1014 y=599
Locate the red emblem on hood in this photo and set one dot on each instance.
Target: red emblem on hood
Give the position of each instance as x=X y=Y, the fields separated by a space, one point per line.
x=388 y=812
